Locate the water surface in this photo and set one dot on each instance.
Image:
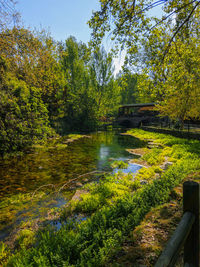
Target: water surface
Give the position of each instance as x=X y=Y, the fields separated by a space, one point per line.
x=55 y=166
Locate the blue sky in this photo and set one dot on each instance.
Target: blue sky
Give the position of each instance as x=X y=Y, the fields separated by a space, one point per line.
x=61 y=17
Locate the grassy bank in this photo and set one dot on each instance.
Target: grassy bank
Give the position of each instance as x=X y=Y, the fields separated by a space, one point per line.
x=111 y=208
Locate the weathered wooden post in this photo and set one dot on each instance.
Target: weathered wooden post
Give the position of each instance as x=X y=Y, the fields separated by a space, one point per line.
x=191 y=203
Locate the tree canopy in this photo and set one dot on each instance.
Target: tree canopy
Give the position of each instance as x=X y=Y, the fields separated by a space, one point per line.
x=49 y=87
x=164 y=50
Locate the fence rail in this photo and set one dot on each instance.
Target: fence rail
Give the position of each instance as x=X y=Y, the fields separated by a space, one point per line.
x=187 y=232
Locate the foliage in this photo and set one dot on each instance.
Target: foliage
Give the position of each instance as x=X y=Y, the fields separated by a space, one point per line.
x=47 y=86
x=25 y=238
x=164 y=50
x=147 y=174
x=115 y=211
x=90 y=91
x=4 y=252
x=119 y=164
x=128 y=84
x=154 y=157
x=106 y=90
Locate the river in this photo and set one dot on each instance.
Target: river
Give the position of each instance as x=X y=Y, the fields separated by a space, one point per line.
x=21 y=177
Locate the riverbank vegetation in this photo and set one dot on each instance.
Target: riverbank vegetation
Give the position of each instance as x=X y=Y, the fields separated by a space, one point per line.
x=111 y=208
x=49 y=88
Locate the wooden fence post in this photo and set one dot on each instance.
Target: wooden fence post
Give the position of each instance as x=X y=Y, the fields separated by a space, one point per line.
x=191 y=203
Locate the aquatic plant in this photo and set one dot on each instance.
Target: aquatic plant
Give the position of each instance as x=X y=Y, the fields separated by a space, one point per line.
x=119 y=164
x=115 y=210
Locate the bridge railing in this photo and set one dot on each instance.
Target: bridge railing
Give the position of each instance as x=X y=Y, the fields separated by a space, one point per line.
x=187 y=232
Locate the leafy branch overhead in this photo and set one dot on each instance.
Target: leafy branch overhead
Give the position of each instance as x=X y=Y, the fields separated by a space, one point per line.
x=127 y=20
x=8 y=14
x=163 y=49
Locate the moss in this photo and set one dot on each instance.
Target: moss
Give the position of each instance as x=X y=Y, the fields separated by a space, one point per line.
x=119 y=164
x=25 y=238
x=4 y=252
x=117 y=204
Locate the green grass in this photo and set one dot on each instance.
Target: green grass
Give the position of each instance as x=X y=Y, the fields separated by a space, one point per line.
x=115 y=205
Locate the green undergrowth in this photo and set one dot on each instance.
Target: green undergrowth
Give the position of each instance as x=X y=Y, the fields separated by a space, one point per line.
x=20 y=216
x=147 y=174
x=115 y=205
x=174 y=148
x=119 y=164
x=104 y=192
x=154 y=157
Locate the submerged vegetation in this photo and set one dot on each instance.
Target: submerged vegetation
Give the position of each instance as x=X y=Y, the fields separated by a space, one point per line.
x=119 y=164
x=109 y=209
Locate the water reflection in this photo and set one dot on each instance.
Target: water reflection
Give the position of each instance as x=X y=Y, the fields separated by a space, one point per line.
x=132 y=168
x=58 y=165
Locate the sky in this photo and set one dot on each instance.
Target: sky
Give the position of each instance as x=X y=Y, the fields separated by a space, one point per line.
x=62 y=18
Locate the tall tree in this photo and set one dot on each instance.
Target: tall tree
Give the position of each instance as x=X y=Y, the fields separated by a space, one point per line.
x=24 y=114
x=78 y=103
x=128 y=84
x=166 y=49
x=105 y=89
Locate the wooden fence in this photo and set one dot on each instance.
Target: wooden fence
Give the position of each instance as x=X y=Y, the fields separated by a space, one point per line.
x=187 y=232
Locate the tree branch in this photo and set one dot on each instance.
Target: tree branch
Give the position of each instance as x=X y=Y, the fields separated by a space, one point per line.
x=178 y=29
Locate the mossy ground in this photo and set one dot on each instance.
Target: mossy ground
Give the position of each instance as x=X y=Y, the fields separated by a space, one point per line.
x=145 y=243
x=115 y=206
x=22 y=215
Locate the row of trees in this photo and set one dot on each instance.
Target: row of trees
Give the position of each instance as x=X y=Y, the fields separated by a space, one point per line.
x=48 y=87
x=164 y=50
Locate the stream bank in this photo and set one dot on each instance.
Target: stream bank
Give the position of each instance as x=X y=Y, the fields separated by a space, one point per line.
x=114 y=206
x=36 y=186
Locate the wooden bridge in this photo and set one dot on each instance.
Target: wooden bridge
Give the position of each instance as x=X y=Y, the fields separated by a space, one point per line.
x=134 y=115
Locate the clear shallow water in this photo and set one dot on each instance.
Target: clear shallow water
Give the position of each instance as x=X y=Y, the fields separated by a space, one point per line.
x=132 y=168
x=57 y=166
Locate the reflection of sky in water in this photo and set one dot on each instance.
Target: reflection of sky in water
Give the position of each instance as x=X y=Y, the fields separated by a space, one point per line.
x=56 y=166
x=114 y=151
x=131 y=168
x=104 y=152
